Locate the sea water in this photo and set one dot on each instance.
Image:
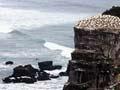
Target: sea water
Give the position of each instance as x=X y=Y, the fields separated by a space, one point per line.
x=31 y=29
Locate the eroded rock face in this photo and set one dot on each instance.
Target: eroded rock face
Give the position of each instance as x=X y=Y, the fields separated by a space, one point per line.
x=105 y=45
x=96 y=55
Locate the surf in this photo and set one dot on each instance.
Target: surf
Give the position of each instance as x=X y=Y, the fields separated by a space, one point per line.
x=65 y=51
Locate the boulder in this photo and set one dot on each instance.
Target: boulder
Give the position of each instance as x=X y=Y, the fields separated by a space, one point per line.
x=29 y=74
x=7 y=80
x=45 y=65
x=63 y=74
x=54 y=76
x=56 y=67
x=26 y=74
x=48 y=65
x=43 y=76
x=19 y=80
x=9 y=63
x=26 y=70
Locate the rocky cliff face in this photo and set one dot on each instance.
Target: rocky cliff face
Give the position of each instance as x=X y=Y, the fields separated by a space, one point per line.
x=95 y=61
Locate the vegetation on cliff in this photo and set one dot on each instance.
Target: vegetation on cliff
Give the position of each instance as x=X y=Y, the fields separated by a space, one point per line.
x=114 y=11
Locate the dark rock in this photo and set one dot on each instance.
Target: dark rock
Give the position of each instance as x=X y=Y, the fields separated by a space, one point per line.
x=68 y=69
x=19 y=71
x=7 y=80
x=63 y=74
x=66 y=73
x=45 y=65
x=29 y=74
x=19 y=80
x=70 y=86
x=26 y=74
x=54 y=76
x=43 y=76
x=9 y=63
x=32 y=70
x=27 y=80
x=48 y=65
x=26 y=70
x=56 y=67
x=114 y=11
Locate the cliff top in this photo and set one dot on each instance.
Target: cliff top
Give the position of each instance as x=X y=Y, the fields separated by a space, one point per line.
x=100 y=22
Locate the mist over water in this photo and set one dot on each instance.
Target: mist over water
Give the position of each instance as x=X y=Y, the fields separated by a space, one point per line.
x=76 y=6
x=31 y=29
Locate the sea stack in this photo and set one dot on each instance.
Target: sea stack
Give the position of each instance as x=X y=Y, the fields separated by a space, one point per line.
x=95 y=63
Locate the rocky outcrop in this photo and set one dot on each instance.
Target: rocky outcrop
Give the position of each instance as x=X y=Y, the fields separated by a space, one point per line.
x=21 y=73
x=48 y=65
x=29 y=74
x=26 y=70
x=95 y=61
x=9 y=63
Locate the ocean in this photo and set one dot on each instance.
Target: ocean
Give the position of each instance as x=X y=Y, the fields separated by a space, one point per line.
x=31 y=29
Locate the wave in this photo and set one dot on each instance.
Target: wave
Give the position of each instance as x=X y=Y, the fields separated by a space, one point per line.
x=4 y=27
x=20 y=54
x=16 y=32
x=66 y=51
x=40 y=85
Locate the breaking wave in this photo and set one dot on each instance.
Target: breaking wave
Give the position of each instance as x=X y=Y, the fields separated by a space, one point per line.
x=66 y=51
x=18 y=33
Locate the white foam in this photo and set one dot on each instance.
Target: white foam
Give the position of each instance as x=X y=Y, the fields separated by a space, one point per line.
x=10 y=19
x=5 y=28
x=54 y=84
x=66 y=51
x=56 y=72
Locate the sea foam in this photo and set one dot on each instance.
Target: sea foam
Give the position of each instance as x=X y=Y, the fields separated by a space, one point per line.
x=66 y=51
x=54 y=84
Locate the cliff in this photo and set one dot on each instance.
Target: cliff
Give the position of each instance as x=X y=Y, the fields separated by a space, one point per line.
x=95 y=61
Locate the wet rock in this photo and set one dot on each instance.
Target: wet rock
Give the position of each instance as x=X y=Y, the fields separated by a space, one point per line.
x=29 y=74
x=54 y=76
x=26 y=70
x=7 y=80
x=63 y=74
x=48 y=65
x=56 y=67
x=70 y=86
x=9 y=63
x=27 y=80
x=26 y=74
x=19 y=80
x=43 y=76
